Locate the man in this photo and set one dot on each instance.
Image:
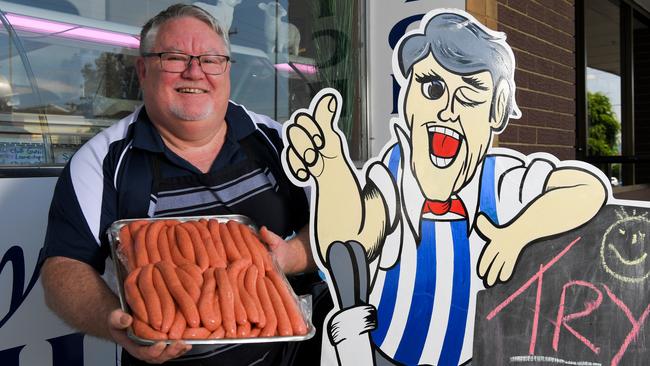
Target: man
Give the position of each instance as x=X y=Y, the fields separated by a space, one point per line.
x=438 y=212
x=187 y=152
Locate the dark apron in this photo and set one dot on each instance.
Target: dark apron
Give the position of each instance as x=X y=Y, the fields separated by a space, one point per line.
x=278 y=209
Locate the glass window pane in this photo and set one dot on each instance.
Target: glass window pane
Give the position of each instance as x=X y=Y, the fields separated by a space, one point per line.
x=603 y=81
x=641 y=39
x=59 y=86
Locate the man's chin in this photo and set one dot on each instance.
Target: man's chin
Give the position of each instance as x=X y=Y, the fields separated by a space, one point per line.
x=189 y=115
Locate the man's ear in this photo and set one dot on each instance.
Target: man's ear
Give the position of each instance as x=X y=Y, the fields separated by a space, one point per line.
x=140 y=68
x=500 y=110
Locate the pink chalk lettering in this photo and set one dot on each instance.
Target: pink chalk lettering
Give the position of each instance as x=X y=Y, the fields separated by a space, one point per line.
x=528 y=283
x=636 y=325
x=533 y=336
x=563 y=320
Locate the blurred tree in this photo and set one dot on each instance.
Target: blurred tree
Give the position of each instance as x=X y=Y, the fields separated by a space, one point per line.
x=603 y=126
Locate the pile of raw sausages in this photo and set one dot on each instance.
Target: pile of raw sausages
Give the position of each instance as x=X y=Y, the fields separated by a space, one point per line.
x=204 y=280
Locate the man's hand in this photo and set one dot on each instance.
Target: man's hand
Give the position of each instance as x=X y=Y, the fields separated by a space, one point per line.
x=312 y=140
x=119 y=321
x=500 y=253
x=293 y=256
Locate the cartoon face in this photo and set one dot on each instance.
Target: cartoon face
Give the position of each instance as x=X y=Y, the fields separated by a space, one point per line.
x=451 y=127
x=624 y=249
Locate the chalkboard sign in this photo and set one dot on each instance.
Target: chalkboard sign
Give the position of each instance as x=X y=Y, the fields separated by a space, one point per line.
x=582 y=298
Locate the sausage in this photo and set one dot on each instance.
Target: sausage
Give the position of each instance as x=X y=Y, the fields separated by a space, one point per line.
x=134 y=226
x=216 y=308
x=151 y=240
x=252 y=313
x=232 y=253
x=271 y=319
x=256 y=251
x=126 y=248
x=213 y=257
x=194 y=271
x=250 y=282
x=150 y=296
x=255 y=332
x=143 y=330
x=184 y=243
x=295 y=316
x=213 y=227
x=206 y=301
x=196 y=333
x=227 y=302
x=233 y=276
x=134 y=297
x=163 y=245
x=200 y=254
x=243 y=330
x=266 y=256
x=183 y=299
x=166 y=301
x=284 y=324
x=140 y=247
x=177 y=256
x=189 y=284
x=235 y=232
x=178 y=326
x=218 y=334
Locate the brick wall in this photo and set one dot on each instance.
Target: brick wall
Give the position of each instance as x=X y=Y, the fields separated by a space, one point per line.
x=541 y=34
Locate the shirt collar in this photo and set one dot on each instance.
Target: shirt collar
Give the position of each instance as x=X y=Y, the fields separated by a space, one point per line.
x=146 y=137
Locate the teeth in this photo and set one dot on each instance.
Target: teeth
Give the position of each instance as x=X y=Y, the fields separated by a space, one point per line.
x=191 y=90
x=445 y=131
x=440 y=162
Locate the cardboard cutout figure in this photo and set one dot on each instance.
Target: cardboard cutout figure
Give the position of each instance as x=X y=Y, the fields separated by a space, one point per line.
x=408 y=241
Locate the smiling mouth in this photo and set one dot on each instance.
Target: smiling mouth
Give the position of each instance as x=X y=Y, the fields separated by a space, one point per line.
x=444 y=144
x=191 y=90
x=632 y=262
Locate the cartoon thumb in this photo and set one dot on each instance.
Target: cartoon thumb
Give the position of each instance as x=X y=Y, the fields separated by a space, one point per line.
x=485 y=226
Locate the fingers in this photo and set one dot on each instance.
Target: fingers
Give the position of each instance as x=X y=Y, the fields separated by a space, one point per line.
x=270 y=238
x=119 y=320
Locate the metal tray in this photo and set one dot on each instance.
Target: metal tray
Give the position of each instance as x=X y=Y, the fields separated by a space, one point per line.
x=201 y=345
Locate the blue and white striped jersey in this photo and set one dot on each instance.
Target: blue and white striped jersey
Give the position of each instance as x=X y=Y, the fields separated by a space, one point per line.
x=425 y=280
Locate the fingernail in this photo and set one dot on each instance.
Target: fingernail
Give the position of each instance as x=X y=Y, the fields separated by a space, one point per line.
x=124 y=319
x=332 y=104
x=310 y=156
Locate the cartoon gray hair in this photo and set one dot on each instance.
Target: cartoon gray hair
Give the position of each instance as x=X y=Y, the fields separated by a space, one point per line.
x=463 y=47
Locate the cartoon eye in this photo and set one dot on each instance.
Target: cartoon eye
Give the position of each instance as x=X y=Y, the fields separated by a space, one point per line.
x=466 y=101
x=433 y=89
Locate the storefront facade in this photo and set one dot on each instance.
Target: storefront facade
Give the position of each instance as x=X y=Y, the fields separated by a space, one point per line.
x=67 y=71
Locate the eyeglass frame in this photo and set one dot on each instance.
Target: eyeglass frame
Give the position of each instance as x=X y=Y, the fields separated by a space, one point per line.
x=192 y=57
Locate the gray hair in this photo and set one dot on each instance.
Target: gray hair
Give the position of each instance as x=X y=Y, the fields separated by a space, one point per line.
x=150 y=29
x=462 y=46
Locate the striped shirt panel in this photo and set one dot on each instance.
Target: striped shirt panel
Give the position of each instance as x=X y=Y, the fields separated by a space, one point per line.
x=186 y=201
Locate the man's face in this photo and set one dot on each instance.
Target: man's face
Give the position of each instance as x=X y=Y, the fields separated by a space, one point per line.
x=192 y=95
x=451 y=128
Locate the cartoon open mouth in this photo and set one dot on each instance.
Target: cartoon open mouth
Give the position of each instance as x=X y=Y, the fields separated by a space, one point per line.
x=444 y=144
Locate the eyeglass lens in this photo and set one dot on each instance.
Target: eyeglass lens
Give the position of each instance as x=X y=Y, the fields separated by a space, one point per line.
x=178 y=62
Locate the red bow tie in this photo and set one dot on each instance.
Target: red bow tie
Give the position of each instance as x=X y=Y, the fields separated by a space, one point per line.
x=442 y=207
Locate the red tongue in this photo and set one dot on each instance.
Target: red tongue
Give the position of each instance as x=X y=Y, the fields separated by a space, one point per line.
x=444 y=146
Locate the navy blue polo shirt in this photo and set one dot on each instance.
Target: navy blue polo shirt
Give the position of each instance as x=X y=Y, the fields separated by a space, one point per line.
x=126 y=171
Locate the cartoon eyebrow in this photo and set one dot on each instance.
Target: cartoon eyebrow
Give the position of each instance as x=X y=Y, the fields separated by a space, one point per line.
x=425 y=78
x=478 y=84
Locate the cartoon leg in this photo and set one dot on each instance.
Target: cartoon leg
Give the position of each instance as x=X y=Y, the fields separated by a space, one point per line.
x=349 y=329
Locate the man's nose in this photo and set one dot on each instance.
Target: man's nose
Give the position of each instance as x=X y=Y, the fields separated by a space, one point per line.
x=193 y=69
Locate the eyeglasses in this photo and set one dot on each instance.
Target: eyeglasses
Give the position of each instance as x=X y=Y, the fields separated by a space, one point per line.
x=179 y=62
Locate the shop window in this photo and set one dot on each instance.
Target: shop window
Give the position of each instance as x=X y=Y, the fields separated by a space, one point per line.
x=616 y=44
x=59 y=86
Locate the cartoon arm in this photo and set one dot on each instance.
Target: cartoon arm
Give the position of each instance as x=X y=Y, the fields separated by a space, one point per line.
x=570 y=198
x=316 y=149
